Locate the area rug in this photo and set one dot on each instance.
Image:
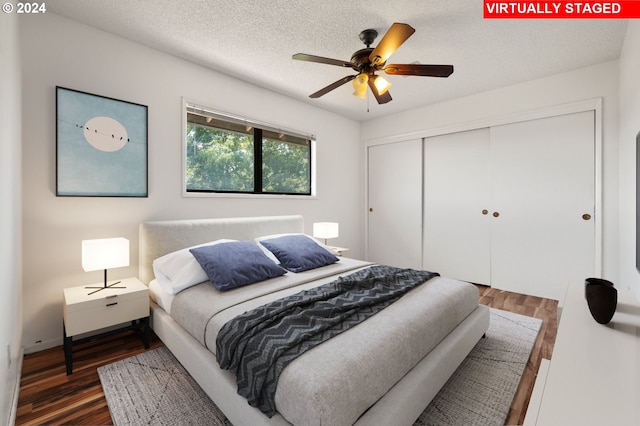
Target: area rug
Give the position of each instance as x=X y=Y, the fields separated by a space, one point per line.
x=154 y=389
x=481 y=390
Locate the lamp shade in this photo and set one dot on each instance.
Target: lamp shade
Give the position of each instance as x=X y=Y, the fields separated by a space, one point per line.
x=105 y=253
x=325 y=230
x=381 y=84
x=360 y=85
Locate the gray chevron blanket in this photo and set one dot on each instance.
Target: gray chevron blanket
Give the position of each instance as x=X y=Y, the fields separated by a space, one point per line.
x=258 y=344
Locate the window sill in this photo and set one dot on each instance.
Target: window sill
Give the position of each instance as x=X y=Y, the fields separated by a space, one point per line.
x=186 y=194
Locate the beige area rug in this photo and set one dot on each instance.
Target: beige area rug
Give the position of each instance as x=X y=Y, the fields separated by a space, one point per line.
x=154 y=389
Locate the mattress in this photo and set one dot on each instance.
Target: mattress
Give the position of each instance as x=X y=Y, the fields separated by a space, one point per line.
x=339 y=380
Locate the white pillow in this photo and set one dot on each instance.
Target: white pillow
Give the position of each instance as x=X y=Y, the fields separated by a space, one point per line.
x=273 y=256
x=179 y=270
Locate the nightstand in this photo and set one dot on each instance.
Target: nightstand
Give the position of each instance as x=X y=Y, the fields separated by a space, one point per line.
x=85 y=313
x=340 y=251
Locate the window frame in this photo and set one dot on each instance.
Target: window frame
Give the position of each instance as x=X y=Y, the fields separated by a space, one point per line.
x=195 y=106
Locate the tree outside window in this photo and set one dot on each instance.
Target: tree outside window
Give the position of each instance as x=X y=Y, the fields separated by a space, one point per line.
x=227 y=156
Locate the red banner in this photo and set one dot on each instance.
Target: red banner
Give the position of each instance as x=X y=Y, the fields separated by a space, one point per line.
x=519 y=9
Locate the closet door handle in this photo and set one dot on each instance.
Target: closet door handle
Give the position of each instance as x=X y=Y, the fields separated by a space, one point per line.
x=496 y=214
x=586 y=216
x=485 y=212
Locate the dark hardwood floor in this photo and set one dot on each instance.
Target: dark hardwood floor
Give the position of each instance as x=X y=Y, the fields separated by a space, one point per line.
x=547 y=311
x=48 y=396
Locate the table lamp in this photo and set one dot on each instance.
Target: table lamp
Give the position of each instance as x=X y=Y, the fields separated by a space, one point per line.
x=105 y=253
x=325 y=230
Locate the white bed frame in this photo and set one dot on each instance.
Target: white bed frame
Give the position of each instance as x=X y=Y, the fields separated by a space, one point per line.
x=402 y=405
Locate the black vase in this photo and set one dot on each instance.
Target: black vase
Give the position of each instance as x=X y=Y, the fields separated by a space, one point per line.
x=602 y=298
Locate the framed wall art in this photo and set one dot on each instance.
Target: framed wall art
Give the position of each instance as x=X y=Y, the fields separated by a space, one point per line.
x=101 y=146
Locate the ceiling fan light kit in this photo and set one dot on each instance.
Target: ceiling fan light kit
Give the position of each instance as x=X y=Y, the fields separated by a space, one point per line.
x=369 y=60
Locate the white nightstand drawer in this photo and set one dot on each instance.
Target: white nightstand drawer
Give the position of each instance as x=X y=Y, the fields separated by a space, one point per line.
x=111 y=312
x=84 y=312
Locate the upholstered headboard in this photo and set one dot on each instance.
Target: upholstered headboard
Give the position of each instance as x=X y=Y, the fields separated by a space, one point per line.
x=161 y=237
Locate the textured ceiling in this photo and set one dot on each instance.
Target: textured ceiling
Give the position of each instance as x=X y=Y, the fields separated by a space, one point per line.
x=254 y=39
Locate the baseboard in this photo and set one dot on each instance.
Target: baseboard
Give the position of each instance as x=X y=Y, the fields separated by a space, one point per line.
x=58 y=341
x=43 y=345
x=13 y=387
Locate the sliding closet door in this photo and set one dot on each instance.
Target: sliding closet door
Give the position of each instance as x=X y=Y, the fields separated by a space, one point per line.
x=543 y=180
x=395 y=204
x=457 y=188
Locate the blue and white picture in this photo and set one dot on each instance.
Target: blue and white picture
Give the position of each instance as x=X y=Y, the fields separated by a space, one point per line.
x=101 y=146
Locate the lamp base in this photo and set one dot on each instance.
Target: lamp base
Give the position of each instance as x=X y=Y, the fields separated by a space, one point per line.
x=105 y=286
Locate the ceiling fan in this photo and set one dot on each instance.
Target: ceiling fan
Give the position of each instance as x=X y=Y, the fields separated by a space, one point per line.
x=369 y=60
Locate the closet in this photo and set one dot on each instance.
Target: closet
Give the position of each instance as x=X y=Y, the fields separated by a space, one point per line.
x=511 y=206
x=395 y=204
x=457 y=188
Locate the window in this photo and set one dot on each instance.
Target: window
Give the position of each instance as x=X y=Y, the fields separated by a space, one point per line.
x=231 y=155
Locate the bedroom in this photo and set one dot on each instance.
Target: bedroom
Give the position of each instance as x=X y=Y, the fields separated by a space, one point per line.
x=51 y=227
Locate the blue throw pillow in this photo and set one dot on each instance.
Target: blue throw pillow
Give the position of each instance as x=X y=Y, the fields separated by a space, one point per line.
x=299 y=253
x=235 y=264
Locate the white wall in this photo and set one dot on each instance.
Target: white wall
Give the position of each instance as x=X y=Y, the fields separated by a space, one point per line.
x=629 y=128
x=587 y=83
x=60 y=52
x=10 y=217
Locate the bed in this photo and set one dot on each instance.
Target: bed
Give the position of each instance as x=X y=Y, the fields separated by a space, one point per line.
x=373 y=373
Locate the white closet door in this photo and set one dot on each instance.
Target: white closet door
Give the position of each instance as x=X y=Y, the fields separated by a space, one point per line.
x=395 y=204
x=543 y=179
x=457 y=188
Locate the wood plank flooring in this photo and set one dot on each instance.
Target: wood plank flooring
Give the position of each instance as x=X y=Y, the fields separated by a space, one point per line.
x=546 y=310
x=49 y=396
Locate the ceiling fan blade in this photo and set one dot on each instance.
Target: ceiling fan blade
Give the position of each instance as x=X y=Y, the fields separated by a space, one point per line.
x=419 y=69
x=332 y=86
x=395 y=36
x=383 y=98
x=320 y=59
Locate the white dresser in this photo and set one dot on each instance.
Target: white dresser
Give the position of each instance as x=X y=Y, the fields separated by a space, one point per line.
x=594 y=374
